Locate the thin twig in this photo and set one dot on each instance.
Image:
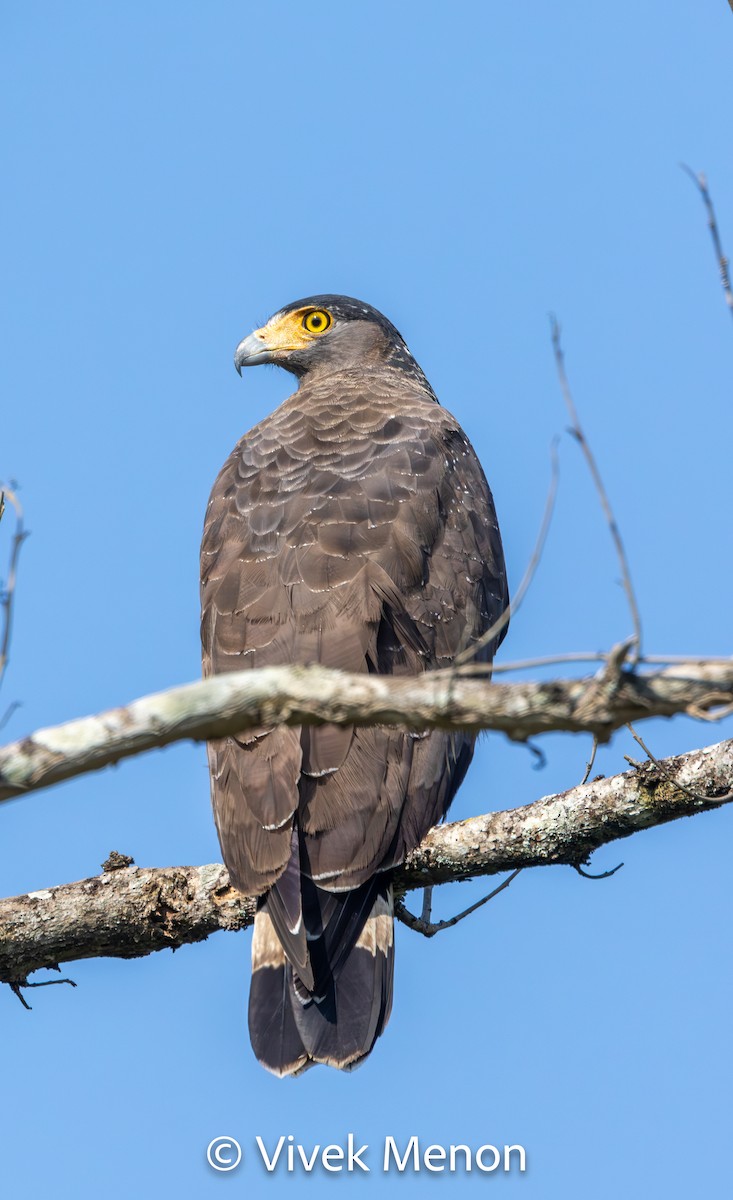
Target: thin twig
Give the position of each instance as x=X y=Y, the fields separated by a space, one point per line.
x=8 y=594
x=17 y=988
x=724 y=799
x=580 y=438
x=580 y=656
x=591 y=760
x=723 y=264
x=513 y=606
x=538 y=755
x=8 y=713
x=722 y=659
x=550 y=660
x=428 y=928
x=603 y=874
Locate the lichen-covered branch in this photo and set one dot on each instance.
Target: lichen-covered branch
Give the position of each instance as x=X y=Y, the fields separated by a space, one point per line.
x=130 y=911
x=294 y=695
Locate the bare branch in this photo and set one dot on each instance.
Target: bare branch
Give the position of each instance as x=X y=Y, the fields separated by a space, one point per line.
x=583 y=656
x=17 y=988
x=428 y=928
x=591 y=760
x=582 y=441
x=695 y=795
x=550 y=660
x=701 y=184
x=8 y=593
x=602 y=875
x=132 y=911
x=231 y=703
x=469 y=654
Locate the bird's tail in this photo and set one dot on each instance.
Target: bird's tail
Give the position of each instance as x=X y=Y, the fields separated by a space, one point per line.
x=332 y=1008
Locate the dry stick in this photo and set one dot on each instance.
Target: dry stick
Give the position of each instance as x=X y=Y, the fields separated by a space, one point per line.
x=579 y=436
x=702 y=186
x=428 y=928
x=549 y=660
x=591 y=760
x=688 y=791
x=579 y=656
x=6 y=603
x=685 y=658
x=603 y=874
x=582 y=656
x=494 y=630
x=582 y=441
x=16 y=989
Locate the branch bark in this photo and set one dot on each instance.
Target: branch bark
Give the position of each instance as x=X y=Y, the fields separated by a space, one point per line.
x=232 y=703
x=131 y=911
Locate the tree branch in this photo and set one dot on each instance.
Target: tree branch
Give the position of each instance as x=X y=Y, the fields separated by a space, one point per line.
x=231 y=703
x=577 y=432
x=130 y=911
x=7 y=596
x=701 y=183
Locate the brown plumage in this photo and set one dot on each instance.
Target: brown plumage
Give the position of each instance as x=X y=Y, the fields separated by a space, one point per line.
x=354 y=528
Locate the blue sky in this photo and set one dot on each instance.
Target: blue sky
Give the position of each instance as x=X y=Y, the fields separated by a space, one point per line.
x=174 y=174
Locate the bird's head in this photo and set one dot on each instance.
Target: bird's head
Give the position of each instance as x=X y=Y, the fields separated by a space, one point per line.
x=325 y=334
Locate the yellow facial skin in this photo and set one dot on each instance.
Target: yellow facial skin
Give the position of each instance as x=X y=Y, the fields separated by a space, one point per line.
x=294 y=330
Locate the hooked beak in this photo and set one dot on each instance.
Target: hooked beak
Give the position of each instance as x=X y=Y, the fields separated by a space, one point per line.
x=252 y=351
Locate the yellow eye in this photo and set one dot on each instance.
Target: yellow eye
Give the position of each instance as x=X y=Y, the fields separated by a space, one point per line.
x=317 y=321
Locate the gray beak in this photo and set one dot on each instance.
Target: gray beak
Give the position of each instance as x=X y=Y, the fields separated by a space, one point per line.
x=251 y=352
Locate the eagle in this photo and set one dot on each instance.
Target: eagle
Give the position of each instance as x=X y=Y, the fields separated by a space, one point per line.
x=354 y=528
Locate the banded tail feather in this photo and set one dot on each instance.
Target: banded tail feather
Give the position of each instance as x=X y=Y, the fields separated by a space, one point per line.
x=338 y=1015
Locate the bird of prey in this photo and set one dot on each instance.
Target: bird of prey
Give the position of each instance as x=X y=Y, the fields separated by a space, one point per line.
x=353 y=527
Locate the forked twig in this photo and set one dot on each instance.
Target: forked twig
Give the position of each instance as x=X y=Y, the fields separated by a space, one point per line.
x=701 y=184
x=724 y=799
x=580 y=438
x=428 y=928
x=18 y=987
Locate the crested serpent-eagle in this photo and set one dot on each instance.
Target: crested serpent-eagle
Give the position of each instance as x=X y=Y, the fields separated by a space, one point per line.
x=353 y=528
